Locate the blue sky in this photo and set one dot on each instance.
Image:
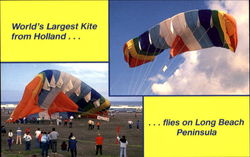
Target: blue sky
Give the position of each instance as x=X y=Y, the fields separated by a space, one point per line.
x=128 y=20
x=212 y=71
x=15 y=76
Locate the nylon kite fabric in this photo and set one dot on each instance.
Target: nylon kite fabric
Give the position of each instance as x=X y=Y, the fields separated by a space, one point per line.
x=187 y=31
x=53 y=91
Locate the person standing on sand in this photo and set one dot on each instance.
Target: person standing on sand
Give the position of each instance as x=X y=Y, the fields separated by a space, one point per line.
x=98 y=125
x=57 y=121
x=90 y=124
x=130 y=123
x=10 y=134
x=64 y=146
x=93 y=125
x=138 y=124
x=18 y=136
x=42 y=120
x=44 y=144
x=37 y=133
x=73 y=146
x=123 y=146
x=70 y=135
x=27 y=139
x=71 y=121
x=65 y=122
x=40 y=138
x=53 y=137
x=10 y=142
x=99 y=141
x=3 y=130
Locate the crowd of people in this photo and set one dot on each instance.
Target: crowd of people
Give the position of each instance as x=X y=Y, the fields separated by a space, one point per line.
x=46 y=140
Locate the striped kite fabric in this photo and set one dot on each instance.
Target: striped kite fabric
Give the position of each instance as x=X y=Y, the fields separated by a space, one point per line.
x=187 y=31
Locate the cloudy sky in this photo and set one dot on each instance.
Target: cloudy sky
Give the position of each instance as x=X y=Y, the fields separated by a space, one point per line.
x=15 y=76
x=213 y=71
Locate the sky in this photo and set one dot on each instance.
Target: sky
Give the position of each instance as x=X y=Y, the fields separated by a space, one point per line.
x=15 y=76
x=214 y=71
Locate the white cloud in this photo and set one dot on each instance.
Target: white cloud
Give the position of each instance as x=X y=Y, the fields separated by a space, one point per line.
x=214 y=70
x=94 y=74
x=156 y=78
x=98 y=67
x=86 y=70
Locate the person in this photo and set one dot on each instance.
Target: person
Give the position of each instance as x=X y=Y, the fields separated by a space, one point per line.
x=27 y=139
x=44 y=144
x=130 y=123
x=90 y=124
x=37 y=133
x=98 y=125
x=64 y=146
x=53 y=138
x=79 y=116
x=33 y=119
x=18 y=135
x=42 y=120
x=10 y=142
x=65 y=122
x=70 y=135
x=50 y=122
x=99 y=141
x=50 y=143
x=70 y=122
x=73 y=146
x=24 y=120
x=123 y=146
x=93 y=125
x=38 y=120
x=21 y=120
x=10 y=134
x=3 y=130
x=138 y=124
x=57 y=121
x=60 y=121
x=27 y=130
x=17 y=121
x=40 y=138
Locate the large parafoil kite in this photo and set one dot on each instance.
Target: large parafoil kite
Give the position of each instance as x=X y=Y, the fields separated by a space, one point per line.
x=53 y=91
x=187 y=31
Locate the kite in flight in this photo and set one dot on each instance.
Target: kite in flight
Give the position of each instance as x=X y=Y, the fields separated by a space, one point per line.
x=187 y=31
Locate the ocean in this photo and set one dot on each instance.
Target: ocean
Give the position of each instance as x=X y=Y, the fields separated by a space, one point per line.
x=122 y=106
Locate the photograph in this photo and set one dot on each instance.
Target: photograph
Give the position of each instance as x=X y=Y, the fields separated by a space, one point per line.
x=63 y=109
x=179 y=48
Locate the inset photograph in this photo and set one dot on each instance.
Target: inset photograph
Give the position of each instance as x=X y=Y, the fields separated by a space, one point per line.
x=63 y=109
x=179 y=48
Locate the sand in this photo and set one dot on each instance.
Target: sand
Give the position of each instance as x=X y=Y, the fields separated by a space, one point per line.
x=85 y=137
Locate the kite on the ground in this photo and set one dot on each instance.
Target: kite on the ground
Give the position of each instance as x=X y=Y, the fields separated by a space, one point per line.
x=53 y=91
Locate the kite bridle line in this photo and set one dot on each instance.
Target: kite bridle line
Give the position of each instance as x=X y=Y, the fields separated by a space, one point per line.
x=131 y=89
x=171 y=61
x=181 y=48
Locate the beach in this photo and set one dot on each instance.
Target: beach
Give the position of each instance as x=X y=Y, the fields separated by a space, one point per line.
x=85 y=137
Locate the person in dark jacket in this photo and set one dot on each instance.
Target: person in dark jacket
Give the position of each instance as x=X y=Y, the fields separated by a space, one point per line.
x=10 y=142
x=3 y=130
x=73 y=146
x=64 y=146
